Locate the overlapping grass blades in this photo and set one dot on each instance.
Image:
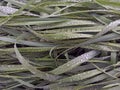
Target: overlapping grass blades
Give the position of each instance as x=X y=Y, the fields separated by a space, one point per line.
x=59 y=44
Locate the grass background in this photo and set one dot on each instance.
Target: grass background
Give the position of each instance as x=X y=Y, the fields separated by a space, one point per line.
x=59 y=44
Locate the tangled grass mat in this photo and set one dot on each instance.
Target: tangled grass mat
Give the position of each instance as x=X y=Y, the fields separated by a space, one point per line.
x=59 y=44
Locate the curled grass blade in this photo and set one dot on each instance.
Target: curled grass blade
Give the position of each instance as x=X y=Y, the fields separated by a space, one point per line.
x=32 y=69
